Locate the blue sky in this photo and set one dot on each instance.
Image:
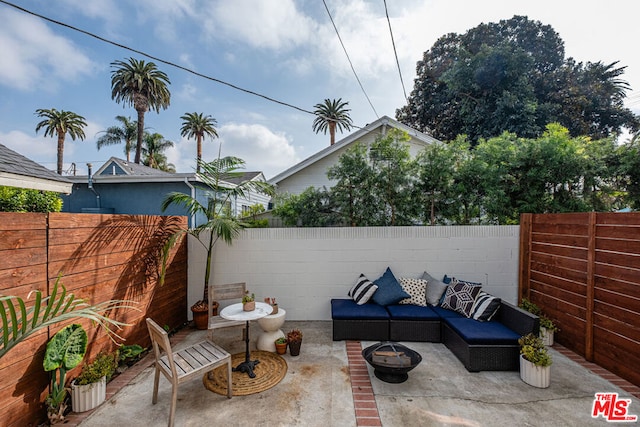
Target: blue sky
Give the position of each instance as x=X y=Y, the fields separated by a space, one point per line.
x=284 y=49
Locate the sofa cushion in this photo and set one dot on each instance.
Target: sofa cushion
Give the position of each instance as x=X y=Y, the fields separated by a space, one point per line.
x=417 y=288
x=411 y=312
x=363 y=289
x=485 y=307
x=460 y=297
x=474 y=332
x=389 y=290
x=446 y=313
x=435 y=289
x=348 y=309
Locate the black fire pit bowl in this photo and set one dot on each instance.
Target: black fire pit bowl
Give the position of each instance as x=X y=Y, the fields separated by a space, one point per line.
x=385 y=370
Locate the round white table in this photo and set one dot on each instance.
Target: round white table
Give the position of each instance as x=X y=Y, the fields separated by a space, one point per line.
x=235 y=312
x=271 y=325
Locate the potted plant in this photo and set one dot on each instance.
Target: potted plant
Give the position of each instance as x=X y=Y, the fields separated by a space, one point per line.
x=214 y=207
x=248 y=301
x=294 y=339
x=281 y=345
x=535 y=361
x=272 y=302
x=547 y=330
x=65 y=350
x=89 y=389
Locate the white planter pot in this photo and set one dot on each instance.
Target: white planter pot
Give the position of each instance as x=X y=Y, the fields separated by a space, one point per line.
x=89 y=396
x=537 y=376
x=547 y=336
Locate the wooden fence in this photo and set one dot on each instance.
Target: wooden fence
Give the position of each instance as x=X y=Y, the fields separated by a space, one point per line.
x=583 y=270
x=99 y=257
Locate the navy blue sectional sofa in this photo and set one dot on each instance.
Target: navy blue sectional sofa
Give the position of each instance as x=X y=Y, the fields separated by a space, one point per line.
x=480 y=346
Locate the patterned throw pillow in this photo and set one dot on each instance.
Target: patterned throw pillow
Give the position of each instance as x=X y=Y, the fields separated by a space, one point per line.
x=417 y=288
x=460 y=297
x=485 y=307
x=362 y=291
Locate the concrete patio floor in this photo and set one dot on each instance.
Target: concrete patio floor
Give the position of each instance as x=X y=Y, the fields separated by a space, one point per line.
x=317 y=391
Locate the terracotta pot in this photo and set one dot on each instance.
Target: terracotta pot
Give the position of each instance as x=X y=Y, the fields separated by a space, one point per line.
x=249 y=306
x=294 y=347
x=281 y=348
x=200 y=319
x=274 y=308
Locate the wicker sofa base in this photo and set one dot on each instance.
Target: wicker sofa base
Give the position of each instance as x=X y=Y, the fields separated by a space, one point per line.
x=412 y=330
x=476 y=358
x=360 y=330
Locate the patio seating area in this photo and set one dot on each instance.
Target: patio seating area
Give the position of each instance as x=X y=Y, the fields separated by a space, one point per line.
x=330 y=385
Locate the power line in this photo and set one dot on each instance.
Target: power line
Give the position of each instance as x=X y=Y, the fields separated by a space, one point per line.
x=395 y=52
x=349 y=59
x=155 y=58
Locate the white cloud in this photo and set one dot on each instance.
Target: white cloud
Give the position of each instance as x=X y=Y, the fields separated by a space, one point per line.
x=271 y=24
x=260 y=148
x=35 y=58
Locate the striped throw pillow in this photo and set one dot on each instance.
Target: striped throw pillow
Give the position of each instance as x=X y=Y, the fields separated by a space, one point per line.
x=363 y=290
x=485 y=307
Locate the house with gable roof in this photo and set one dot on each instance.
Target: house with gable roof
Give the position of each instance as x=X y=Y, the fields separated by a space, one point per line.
x=312 y=172
x=122 y=187
x=18 y=171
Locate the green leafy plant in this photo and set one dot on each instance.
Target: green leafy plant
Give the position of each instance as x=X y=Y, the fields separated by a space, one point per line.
x=281 y=340
x=19 y=322
x=548 y=324
x=104 y=365
x=248 y=298
x=131 y=352
x=533 y=350
x=294 y=335
x=530 y=307
x=65 y=350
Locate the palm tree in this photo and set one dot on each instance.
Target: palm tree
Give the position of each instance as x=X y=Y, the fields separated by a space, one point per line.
x=221 y=224
x=126 y=133
x=332 y=115
x=61 y=123
x=142 y=85
x=154 y=146
x=198 y=125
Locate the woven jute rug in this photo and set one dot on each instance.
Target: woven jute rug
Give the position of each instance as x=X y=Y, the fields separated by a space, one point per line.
x=269 y=372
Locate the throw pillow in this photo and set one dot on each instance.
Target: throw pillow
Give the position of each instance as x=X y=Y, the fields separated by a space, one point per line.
x=362 y=291
x=416 y=288
x=454 y=281
x=460 y=297
x=485 y=307
x=435 y=289
x=389 y=290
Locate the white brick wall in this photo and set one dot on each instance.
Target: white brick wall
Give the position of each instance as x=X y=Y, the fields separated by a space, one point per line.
x=305 y=267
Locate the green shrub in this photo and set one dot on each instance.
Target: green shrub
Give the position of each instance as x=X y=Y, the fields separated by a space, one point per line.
x=104 y=366
x=25 y=200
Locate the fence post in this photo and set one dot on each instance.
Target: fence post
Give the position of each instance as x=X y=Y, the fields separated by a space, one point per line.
x=525 y=256
x=591 y=264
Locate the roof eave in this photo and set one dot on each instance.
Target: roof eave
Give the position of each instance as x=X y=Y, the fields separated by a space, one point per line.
x=23 y=181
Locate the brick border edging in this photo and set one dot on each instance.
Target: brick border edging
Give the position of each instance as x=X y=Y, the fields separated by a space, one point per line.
x=364 y=402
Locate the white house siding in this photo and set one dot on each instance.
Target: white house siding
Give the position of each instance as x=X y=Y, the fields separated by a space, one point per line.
x=305 y=267
x=316 y=174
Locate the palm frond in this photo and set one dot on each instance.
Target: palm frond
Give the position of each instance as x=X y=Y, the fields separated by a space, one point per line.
x=19 y=322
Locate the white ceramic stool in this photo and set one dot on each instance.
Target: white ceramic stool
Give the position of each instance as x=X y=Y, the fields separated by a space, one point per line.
x=271 y=325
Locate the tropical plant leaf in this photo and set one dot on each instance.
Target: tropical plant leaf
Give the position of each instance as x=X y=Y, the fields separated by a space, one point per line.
x=58 y=307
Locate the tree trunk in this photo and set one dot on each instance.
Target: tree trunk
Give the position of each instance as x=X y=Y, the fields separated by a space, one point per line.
x=198 y=152
x=60 y=151
x=141 y=112
x=332 y=132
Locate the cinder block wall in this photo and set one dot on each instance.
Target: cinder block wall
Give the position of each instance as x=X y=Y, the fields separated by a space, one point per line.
x=305 y=267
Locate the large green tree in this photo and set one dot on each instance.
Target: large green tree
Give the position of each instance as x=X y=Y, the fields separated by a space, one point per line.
x=512 y=76
x=142 y=85
x=59 y=123
x=127 y=132
x=198 y=125
x=332 y=115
